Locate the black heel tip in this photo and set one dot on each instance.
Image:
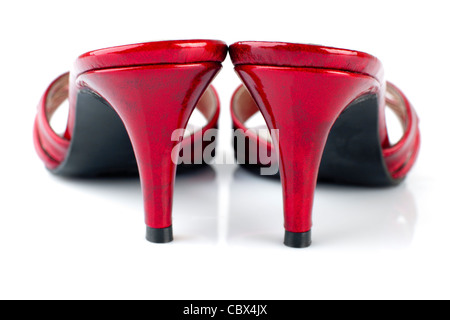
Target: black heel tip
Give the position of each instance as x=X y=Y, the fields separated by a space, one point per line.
x=160 y=235
x=298 y=240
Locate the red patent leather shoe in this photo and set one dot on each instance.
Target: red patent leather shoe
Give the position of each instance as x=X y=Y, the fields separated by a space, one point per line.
x=125 y=103
x=329 y=107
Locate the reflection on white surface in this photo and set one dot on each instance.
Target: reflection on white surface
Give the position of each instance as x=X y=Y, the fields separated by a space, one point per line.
x=226 y=205
x=343 y=216
x=195 y=216
x=195 y=201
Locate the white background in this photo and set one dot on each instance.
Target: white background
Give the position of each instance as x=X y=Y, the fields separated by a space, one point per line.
x=63 y=238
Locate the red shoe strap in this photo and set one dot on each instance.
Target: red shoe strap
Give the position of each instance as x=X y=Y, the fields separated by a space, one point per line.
x=401 y=157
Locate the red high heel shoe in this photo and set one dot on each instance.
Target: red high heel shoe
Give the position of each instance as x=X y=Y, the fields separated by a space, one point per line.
x=125 y=103
x=329 y=107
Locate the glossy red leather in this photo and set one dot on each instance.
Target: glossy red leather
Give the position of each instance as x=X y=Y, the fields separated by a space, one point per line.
x=151 y=53
x=401 y=157
x=152 y=96
x=164 y=52
x=131 y=91
x=305 y=117
x=311 y=56
x=51 y=147
x=301 y=55
x=301 y=90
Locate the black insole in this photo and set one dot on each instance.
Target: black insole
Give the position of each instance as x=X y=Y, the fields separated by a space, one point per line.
x=100 y=145
x=353 y=154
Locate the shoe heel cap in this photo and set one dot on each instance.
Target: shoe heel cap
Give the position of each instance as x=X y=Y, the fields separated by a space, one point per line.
x=159 y=235
x=298 y=240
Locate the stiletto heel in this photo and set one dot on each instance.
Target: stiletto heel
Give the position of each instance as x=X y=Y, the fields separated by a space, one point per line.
x=305 y=118
x=152 y=99
x=302 y=91
x=153 y=102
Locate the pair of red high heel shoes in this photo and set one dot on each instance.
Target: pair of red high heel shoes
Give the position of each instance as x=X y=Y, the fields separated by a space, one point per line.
x=327 y=104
